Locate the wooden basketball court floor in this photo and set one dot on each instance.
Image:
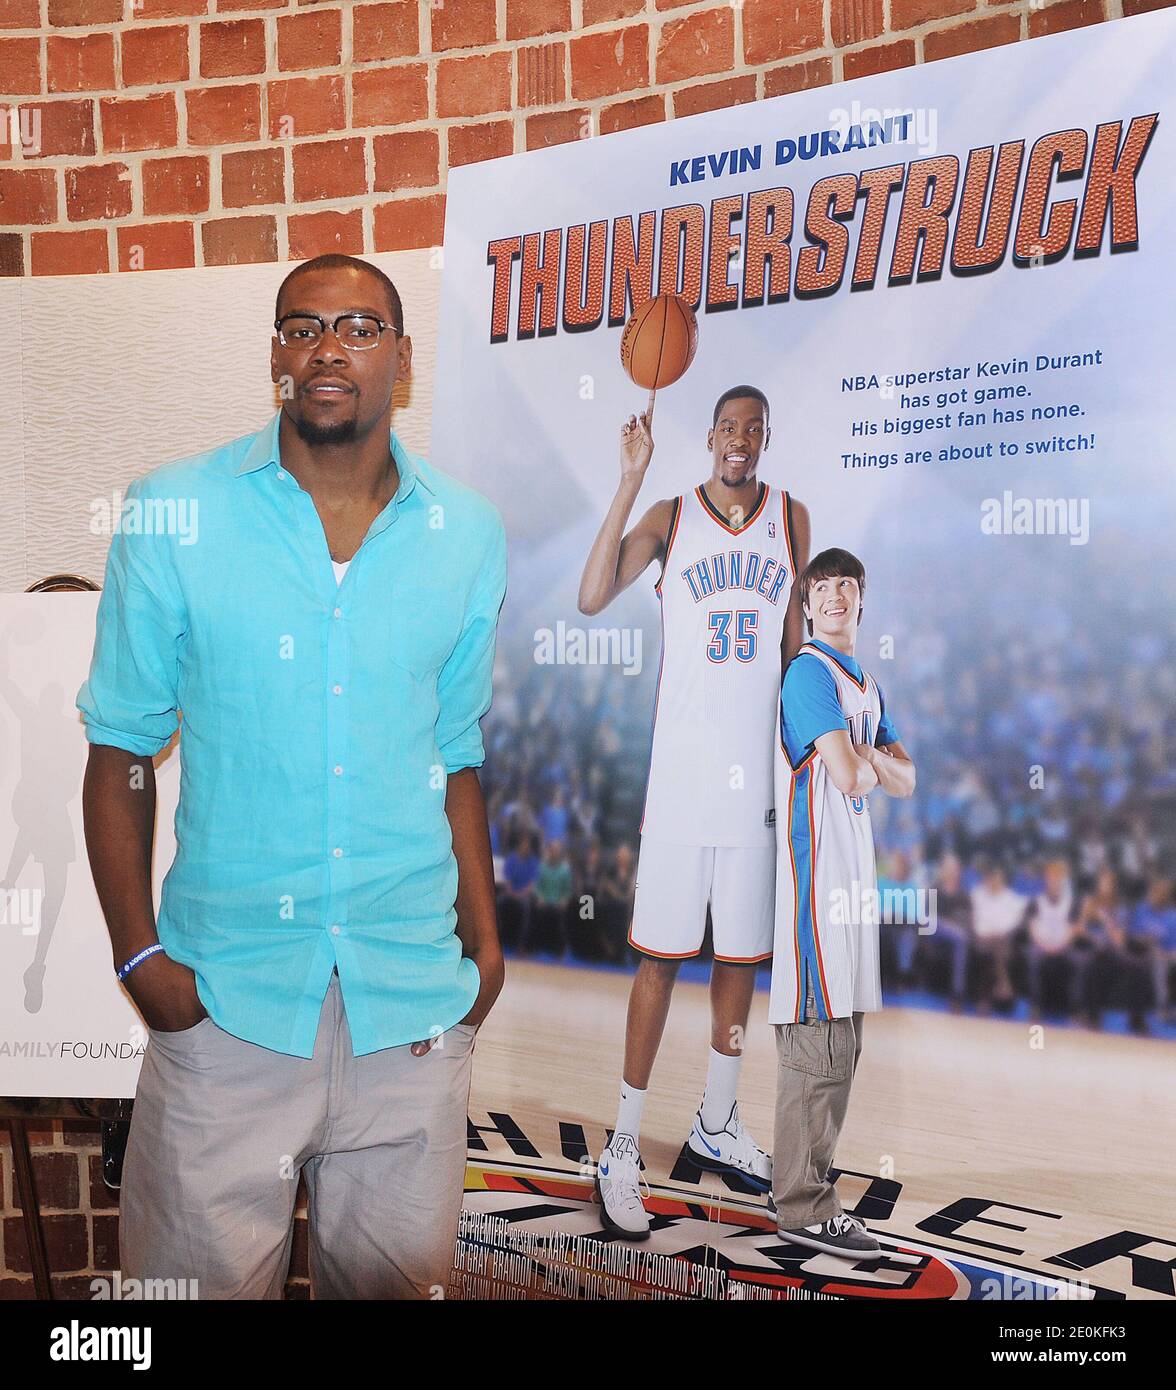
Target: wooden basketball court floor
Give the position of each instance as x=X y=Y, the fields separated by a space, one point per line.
x=1033 y=1147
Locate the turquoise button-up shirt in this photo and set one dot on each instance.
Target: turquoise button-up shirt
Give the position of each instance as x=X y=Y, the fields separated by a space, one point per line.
x=320 y=721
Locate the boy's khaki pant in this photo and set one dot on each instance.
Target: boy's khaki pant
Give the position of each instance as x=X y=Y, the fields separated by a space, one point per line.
x=816 y=1061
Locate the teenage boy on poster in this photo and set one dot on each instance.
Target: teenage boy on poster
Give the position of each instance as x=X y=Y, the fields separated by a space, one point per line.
x=837 y=744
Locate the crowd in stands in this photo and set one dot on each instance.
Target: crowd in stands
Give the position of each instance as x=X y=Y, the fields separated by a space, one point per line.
x=1044 y=818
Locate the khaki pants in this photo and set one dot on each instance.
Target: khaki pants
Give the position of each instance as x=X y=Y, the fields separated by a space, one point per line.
x=816 y=1061
x=222 y=1128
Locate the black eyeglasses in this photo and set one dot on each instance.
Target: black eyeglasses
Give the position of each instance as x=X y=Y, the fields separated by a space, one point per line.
x=355 y=332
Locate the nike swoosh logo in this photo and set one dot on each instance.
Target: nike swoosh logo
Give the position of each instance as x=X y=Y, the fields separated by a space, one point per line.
x=716 y=1153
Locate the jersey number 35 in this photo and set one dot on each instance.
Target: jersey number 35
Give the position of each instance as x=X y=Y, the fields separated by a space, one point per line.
x=741 y=640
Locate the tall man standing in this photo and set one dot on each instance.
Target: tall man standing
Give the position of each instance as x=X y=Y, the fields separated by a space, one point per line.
x=326 y=945
x=728 y=552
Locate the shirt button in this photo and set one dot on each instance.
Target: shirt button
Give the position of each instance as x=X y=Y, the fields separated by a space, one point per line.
x=334 y=931
x=338 y=770
x=337 y=689
x=281 y=473
x=338 y=612
x=338 y=852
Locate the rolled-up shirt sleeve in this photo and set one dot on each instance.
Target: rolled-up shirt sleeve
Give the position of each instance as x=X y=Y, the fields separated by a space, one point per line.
x=464 y=684
x=131 y=697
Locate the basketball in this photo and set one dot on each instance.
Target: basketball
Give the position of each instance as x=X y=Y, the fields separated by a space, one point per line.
x=659 y=341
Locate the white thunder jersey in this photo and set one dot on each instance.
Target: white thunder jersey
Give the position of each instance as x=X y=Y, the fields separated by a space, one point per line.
x=826 y=879
x=724 y=592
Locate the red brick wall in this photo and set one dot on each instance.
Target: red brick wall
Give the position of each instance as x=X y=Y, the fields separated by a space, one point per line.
x=211 y=132
x=80 y=1220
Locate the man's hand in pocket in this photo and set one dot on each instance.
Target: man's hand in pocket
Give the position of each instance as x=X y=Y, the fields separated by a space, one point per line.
x=165 y=994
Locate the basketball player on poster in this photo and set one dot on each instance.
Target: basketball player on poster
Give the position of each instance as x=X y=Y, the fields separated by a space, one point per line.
x=728 y=552
x=836 y=744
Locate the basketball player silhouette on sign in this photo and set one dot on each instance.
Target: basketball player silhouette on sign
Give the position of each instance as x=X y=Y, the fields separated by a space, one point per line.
x=729 y=551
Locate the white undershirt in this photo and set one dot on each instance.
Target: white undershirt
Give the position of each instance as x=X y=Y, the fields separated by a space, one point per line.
x=340 y=569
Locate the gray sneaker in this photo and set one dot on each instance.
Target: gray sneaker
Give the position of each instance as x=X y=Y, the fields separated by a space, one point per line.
x=840 y=1235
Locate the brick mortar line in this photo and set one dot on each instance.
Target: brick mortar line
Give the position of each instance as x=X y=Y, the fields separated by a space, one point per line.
x=287 y=174
x=346 y=42
x=369 y=148
x=59 y=189
x=425 y=25
x=210 y=152
x=516 y=75
x=263 y=106
x=350 y=202
x=215 y=180
x=196 y=81
x=354 y=202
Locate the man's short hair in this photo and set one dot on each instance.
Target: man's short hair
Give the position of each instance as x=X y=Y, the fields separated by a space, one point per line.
x=735 y=393
x=336 y=261
x=831 y=564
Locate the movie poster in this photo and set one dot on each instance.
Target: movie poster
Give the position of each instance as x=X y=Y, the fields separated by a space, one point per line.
x=949 y=285
x=69 y=1028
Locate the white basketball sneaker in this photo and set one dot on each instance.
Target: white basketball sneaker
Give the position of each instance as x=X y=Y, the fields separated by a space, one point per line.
x=618 y=1186
x=732 y=1151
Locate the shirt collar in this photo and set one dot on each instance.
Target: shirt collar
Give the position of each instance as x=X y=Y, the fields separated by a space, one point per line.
x=264 y=451
x=848 y=663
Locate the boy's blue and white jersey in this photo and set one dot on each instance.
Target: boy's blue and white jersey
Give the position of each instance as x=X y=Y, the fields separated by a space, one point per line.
x=826 y=882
